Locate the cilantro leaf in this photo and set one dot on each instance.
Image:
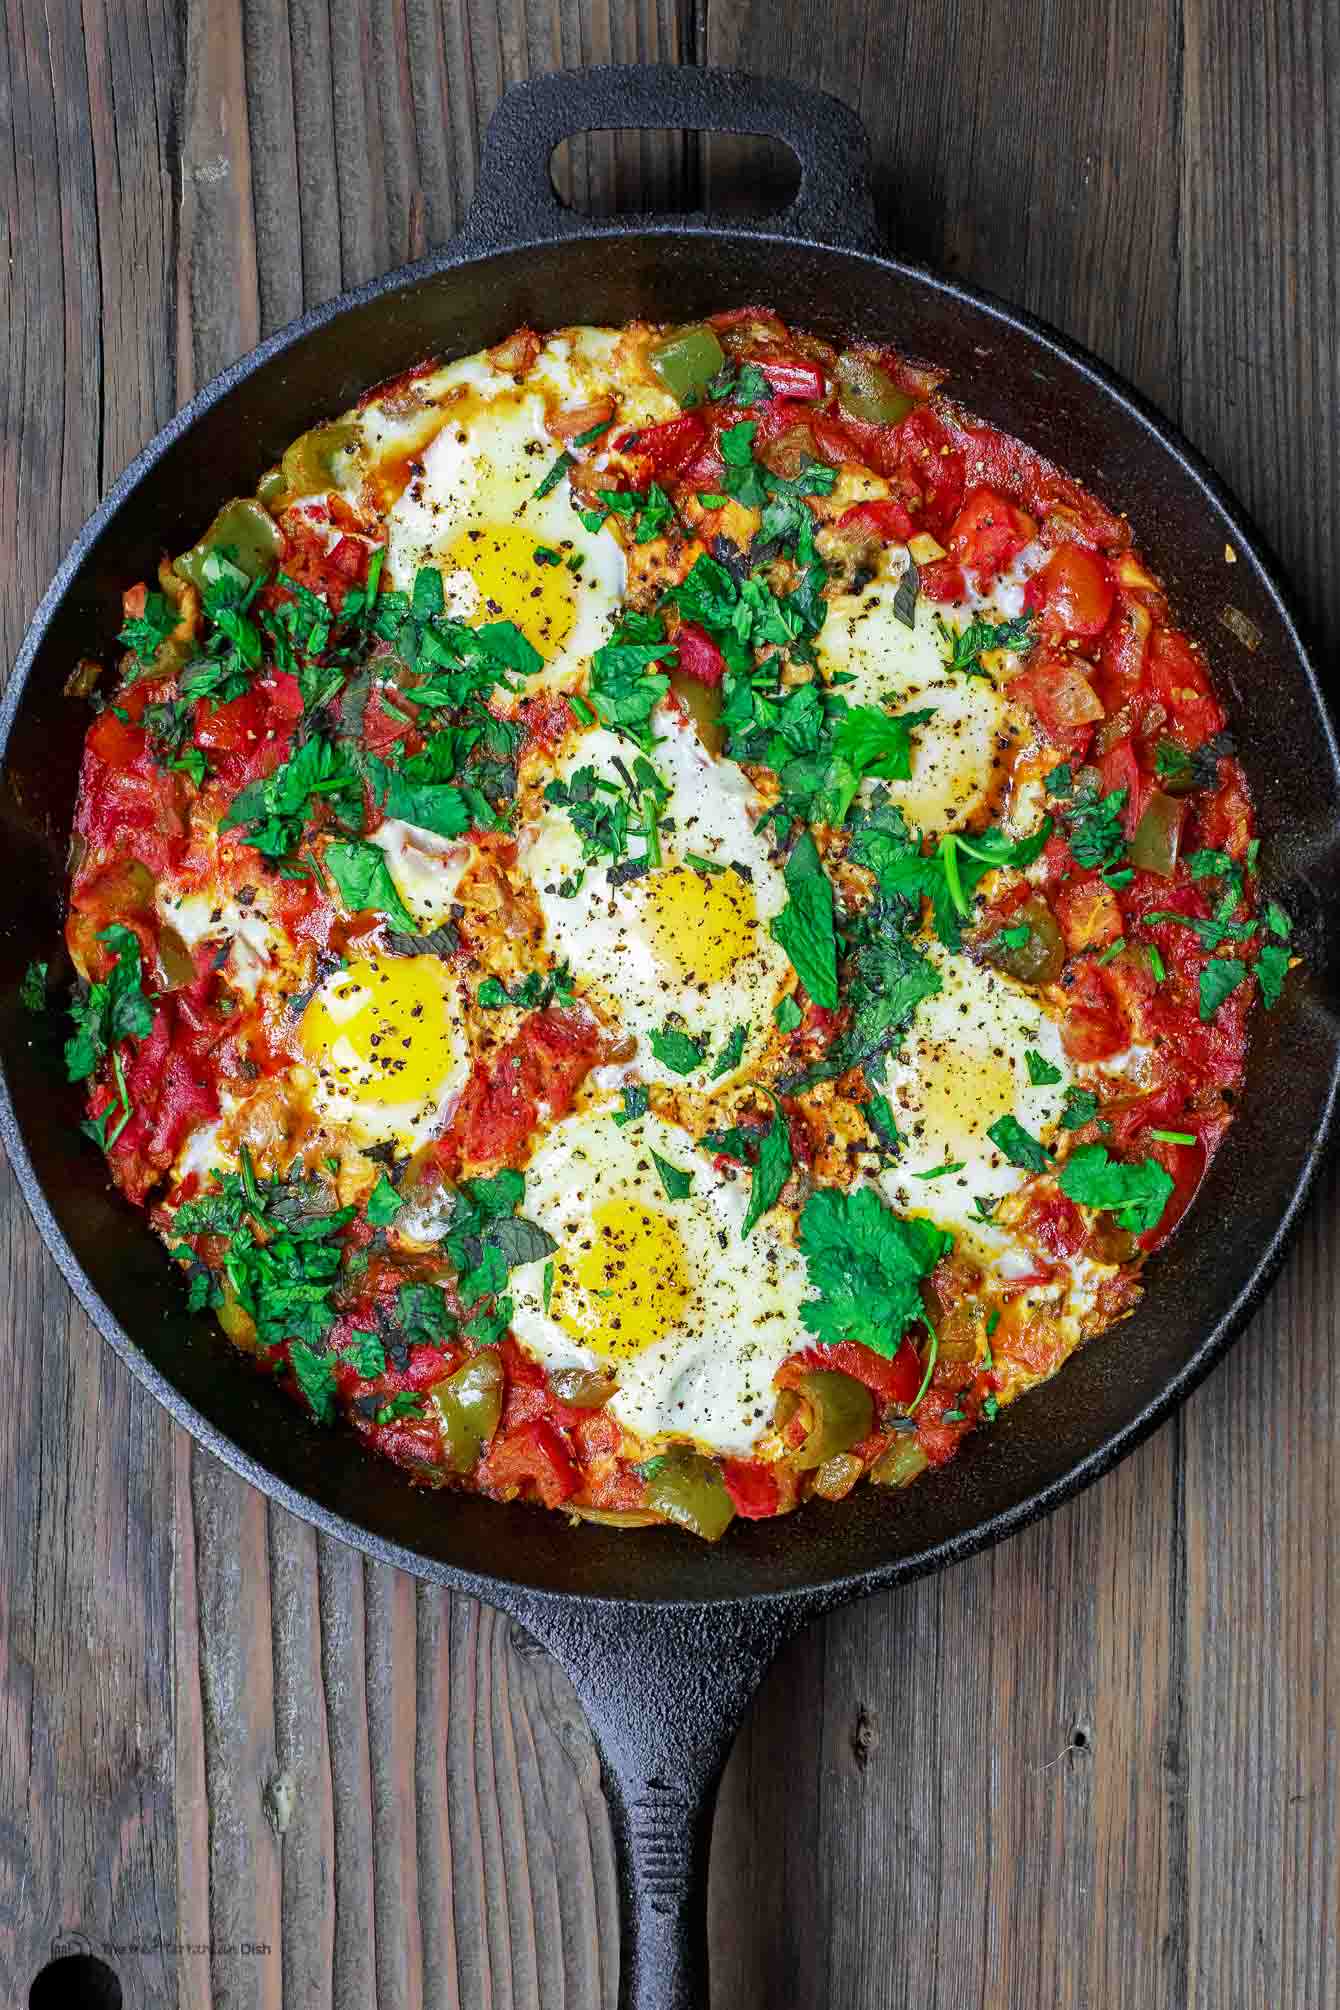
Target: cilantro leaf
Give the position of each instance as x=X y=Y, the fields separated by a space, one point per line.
x=805 y=927
x=1081 y=1107
x=1137 y=1194
x=866 y=1265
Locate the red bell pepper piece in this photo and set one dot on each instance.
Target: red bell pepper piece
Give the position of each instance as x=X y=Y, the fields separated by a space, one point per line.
x=886 y=519
x=670 y=447
x=791 y=377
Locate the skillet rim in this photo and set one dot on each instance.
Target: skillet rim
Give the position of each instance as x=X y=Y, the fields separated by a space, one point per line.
x=817 y=1592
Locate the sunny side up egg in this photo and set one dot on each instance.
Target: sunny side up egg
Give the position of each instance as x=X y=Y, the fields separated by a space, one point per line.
x=481 y=449
x=961 y=755
x=687 y=941
x=663 y=1294
x=963 y=1066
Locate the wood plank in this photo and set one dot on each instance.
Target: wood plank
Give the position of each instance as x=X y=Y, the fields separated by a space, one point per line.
x=86 y=1817
x=1261 y=373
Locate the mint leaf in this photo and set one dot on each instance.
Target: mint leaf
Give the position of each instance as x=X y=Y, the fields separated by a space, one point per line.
x=805 y=928
x=771 y=1173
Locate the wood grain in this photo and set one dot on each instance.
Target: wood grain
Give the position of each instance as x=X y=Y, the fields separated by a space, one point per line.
x=1094 y=1768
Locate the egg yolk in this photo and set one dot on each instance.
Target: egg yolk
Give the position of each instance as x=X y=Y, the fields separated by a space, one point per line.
x=381 y=1036
x=963 y=1094
x=701 y=924
x=505 y=581
x=626 y=1282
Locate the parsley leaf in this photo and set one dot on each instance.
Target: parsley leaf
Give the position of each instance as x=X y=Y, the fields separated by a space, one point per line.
x=275 y=810
x=624 y=688
x=1272 y=967
x=115 y=1009
x=1136 y=1194
x=33 y=988
x=966 y=645
x=635 y=1103
x=1221 y=976
x=1020 y=1147
x=805 y=927
x=364 y=880
x=771 y=1173
x=731 y=1054
x=1094 y=828
x=866 y=1264
x=869 y=741
x=365 y=1355
x=1041 y=1073
x=147 y=633
x=1081 y=1107
x=383 y=1204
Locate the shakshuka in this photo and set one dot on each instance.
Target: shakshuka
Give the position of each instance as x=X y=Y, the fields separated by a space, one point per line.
x=662 y=920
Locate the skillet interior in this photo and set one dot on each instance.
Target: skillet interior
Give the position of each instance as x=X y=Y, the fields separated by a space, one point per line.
x=1011 y=373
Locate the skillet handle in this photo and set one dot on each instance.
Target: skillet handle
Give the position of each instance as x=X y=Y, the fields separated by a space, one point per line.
x=515 y=200
x=664 y=1689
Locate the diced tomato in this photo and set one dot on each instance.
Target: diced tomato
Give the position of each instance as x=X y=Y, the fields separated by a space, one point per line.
x=921 y=458
x=549 y=718
x=942 y=582
x=1121 y=653
x=1119 y=769
x=233 y=728
x=115 y=742
x=844 y=440
x=938 y=1440
x=1225 y=820
x=1087 y=909
x=535 y=1455
x=1092 y=1029
x=698 y=655
x=1054 y=1221
x=499 y=1106
x=987 y=534
x=349 y=557
x=1176 y=676
x=1061 y=698
x=883 y=519
x=752 y=1487
x=1073 y=592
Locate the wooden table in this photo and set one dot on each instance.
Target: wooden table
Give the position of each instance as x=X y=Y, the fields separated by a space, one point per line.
x=1094 y=1768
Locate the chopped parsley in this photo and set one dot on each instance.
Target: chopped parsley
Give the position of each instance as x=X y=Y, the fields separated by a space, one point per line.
x=771 y=1173
x=805 y=927
x=1041 y=1073
x=1136 y=1194
x=675 y=1182
x=33 y=988
x=1019 y=1146
x=866 y=1265
x=113 y=1010
x=966 y=645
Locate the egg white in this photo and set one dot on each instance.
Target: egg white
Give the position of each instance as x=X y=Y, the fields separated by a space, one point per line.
x=961 y=1069
x=708 y=1376
x=427 y=869
x=621 y=947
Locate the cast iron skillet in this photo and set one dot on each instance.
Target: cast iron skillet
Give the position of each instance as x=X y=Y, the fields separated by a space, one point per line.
x=664 y=1638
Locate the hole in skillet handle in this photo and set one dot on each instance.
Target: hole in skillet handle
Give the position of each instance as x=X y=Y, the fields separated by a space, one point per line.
x=516 y=201
x=656 y=170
